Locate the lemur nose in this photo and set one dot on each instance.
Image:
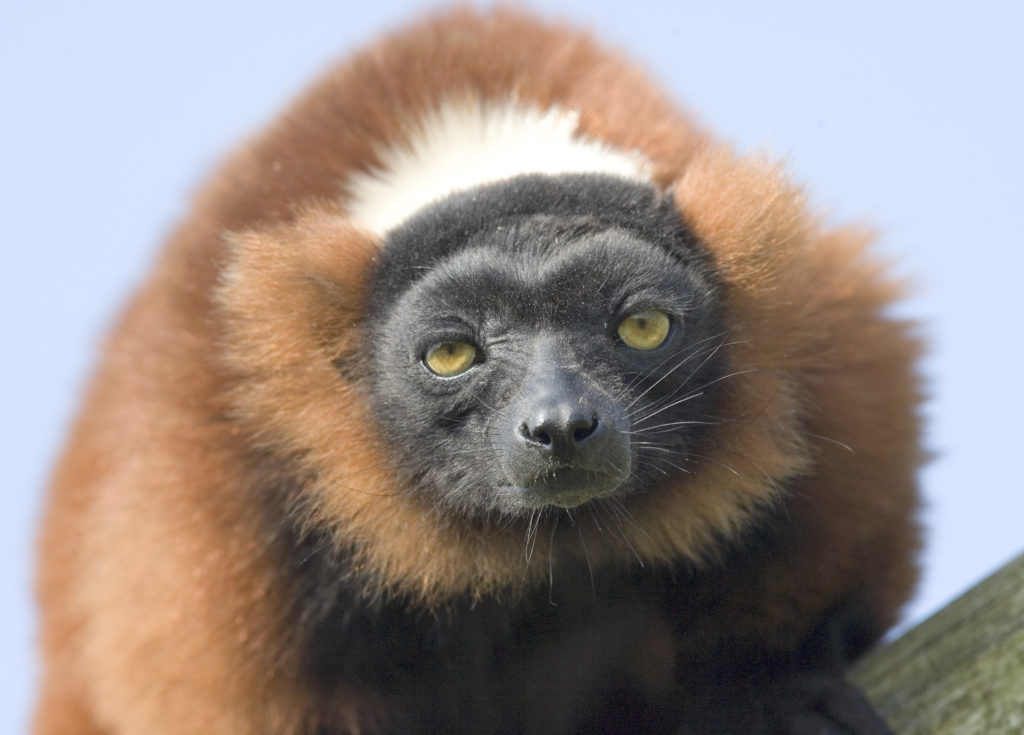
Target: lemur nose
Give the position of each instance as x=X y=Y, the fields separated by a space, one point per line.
x=559 y=428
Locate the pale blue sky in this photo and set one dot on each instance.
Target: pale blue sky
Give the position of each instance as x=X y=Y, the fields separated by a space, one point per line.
x=909 y=115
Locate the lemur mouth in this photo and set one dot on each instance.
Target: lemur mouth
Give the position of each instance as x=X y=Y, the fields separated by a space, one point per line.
x=566 y=487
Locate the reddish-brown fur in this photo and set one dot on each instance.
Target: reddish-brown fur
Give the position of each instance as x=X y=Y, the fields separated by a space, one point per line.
x=162 y=604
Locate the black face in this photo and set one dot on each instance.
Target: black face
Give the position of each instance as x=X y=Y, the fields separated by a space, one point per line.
x=544 y=342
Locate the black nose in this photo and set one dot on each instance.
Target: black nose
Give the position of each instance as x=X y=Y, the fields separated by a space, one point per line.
x=565 y=441
x=559 y=428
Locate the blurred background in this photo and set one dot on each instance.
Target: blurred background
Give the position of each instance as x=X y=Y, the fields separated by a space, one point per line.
x=906 y=115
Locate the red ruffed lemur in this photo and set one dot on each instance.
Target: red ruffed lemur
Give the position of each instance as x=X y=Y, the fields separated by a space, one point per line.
x=485 y=393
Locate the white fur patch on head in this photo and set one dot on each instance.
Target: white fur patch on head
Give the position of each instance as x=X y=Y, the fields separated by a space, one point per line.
x=468 y=143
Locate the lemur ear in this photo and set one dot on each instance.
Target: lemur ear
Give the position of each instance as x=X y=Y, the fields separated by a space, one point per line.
x=290 y=302
x=312 y=271
x=789 y=280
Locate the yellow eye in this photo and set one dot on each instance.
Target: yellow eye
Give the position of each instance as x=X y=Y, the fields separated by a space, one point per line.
x=645 y=330
x=450 y=358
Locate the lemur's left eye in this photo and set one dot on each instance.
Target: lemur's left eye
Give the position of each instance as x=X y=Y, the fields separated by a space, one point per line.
x=645 y=330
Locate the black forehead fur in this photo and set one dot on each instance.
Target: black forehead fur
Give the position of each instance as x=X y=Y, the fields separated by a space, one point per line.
x=575 y=204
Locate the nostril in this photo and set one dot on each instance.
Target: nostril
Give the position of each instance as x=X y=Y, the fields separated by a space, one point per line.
x=537 y=434
x=582 y=430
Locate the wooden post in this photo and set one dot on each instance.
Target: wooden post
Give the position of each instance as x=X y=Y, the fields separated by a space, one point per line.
x=961 y=672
